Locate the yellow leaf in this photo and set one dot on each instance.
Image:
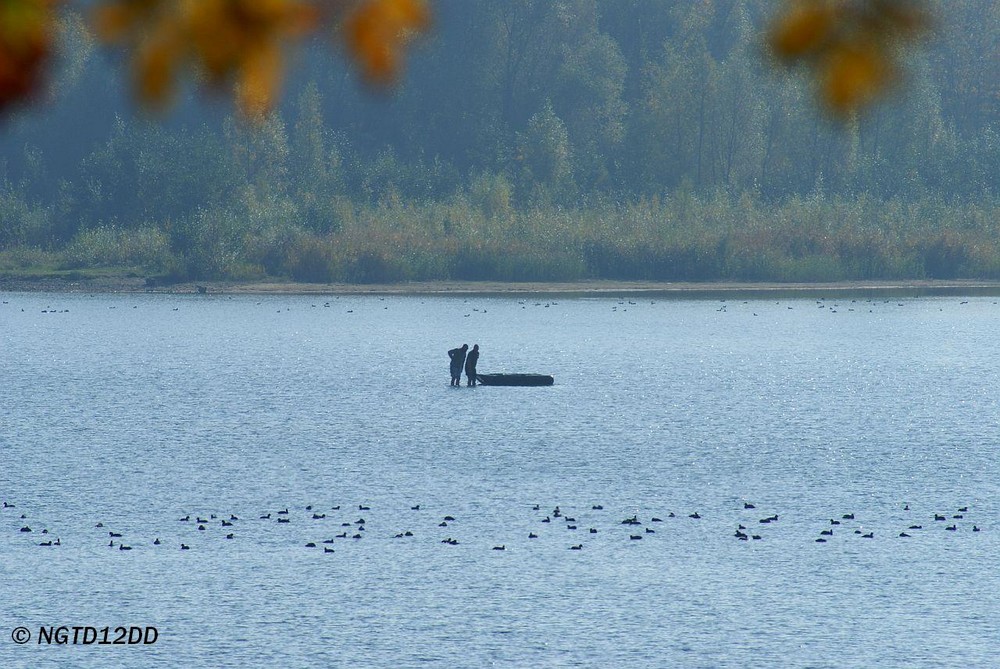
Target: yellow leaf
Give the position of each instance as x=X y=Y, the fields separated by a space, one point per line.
x=114 y=21
x=156 y=64
x=803 y=29
x=26 y=35
x=853 y=74
x=377 y=31
x=260 y=79
x=215 y=37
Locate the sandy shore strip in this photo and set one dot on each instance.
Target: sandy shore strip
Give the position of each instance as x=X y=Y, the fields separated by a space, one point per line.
x=596 y=288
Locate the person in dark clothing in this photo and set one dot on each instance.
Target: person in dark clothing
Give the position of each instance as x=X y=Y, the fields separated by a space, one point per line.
x=457 y=356
x=470 y=365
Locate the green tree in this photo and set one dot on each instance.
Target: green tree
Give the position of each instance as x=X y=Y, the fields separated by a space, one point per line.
x=590 y=88
x=315 y=165
x=546 y=157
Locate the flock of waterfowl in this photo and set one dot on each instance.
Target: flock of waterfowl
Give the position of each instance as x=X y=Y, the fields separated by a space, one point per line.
x=326 y=527
x=833 y=306
x=847 y=524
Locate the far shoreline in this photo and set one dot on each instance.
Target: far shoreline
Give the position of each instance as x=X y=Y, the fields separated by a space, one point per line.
x=589 y=288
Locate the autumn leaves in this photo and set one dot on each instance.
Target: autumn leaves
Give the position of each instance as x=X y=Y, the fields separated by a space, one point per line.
x=850 y=47
x=228 y=42
x=237 y=44
x=377 y=33
x=25 y=44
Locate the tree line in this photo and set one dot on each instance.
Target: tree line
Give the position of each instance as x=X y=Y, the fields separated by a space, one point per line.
x=530 y=139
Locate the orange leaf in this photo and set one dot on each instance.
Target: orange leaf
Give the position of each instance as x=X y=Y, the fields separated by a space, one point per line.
x=215 y=37
x=26 y=35
x=803 y=29
x=155 y=65
x=853 y=74
x=114 y=22
x=260 y=79
x=377 y=32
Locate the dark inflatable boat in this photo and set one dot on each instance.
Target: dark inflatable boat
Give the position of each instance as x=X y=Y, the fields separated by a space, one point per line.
x=515 y=379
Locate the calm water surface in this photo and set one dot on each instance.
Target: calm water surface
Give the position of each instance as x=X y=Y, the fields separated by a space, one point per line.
x=137 y=410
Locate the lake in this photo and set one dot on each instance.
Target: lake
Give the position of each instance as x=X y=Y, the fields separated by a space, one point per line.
x=126 y=413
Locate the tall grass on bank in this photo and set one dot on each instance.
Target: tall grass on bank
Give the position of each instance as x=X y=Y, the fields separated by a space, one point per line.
x=147 y=248
x=683 y=237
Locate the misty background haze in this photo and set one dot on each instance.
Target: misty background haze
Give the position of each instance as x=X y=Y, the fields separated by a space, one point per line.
x=528 y=140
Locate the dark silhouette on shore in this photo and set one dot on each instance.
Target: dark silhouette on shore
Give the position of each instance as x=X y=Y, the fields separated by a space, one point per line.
x=471 y=360
x=457 y=356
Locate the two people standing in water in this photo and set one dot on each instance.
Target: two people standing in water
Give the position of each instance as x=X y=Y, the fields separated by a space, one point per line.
x=464 y=357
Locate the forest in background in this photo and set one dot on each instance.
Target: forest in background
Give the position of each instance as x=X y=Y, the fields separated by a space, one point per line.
x=528 y=140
